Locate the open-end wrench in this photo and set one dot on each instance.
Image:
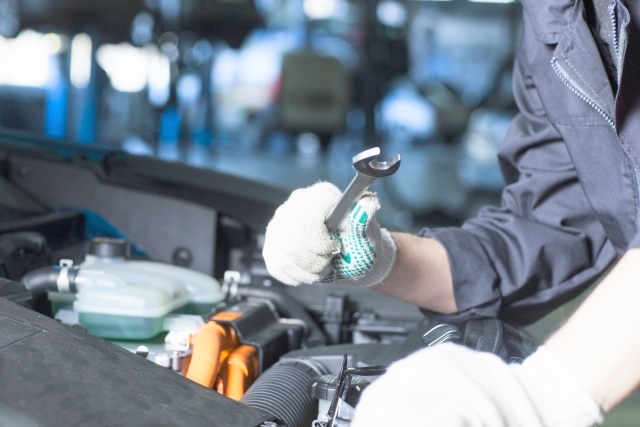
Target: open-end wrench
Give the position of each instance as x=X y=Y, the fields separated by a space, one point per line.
x=367 y=170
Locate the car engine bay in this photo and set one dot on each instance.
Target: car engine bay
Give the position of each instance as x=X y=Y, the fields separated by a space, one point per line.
x=134 y=292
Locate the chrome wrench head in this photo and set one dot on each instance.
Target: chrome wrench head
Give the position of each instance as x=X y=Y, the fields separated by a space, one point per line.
x=367 y=170
x=364 y=164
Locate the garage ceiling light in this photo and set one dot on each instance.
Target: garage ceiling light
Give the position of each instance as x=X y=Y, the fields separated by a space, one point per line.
x=81 y=57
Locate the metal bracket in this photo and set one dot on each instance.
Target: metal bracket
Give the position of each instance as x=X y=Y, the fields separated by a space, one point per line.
x=340 y=413
x=63 y=282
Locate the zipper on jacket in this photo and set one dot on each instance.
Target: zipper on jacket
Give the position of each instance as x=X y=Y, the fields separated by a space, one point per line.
x=578 y=91
x=615 y=39
x=614 y=28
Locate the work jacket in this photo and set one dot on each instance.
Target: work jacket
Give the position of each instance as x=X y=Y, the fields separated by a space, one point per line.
x=570 y=204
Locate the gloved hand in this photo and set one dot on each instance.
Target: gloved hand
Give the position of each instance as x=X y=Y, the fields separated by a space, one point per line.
x=298 y=248
x=452 y=386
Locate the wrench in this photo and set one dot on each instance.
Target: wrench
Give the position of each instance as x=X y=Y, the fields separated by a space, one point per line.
x=367 y=170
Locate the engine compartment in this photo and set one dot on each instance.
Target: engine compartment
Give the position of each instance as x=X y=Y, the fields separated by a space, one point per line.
x=162 y=263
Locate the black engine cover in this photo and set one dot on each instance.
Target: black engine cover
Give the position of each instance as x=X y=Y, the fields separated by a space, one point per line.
x=55 y=375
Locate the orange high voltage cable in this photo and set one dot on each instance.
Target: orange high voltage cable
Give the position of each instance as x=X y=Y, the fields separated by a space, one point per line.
x=211 y=346
x=242 y=371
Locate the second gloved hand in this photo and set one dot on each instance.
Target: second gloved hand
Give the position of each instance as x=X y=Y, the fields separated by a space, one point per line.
x=299 y=249
x=452 y=386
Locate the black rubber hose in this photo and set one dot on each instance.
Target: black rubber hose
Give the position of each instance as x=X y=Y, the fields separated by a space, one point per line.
x=45 y=279
x=289 y=307
x=11 y=242
x=284 y=391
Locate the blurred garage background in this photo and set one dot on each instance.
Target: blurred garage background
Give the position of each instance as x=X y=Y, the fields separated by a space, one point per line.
x=282 y=91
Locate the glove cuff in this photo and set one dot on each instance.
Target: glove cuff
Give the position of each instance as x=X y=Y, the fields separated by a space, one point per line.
x=560 y=398
x=385 y=258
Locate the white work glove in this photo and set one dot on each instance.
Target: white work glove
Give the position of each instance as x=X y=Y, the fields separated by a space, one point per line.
x=452 y=386
x=298 y=248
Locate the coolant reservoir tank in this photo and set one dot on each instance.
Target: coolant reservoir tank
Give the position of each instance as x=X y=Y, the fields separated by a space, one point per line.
x=120 y=298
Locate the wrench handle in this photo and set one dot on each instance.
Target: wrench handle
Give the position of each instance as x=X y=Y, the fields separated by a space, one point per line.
x=351 y=195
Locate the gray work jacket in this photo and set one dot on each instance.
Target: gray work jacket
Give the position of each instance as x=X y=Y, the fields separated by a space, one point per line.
x=570 y=204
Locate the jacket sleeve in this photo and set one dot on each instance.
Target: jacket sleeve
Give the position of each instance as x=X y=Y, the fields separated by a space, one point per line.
x=544 y=244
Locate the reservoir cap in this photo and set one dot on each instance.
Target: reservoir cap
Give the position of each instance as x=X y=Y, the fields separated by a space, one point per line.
x=109 y=247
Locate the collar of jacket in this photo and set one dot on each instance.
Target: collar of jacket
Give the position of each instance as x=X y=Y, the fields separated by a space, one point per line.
x=549 y=18
x=578 y=59
x=561 y=23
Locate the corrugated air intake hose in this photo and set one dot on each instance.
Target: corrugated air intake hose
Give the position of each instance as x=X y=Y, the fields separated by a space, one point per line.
x=284 y=391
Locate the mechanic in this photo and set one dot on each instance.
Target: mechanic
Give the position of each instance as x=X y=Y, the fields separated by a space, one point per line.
x=569 y=211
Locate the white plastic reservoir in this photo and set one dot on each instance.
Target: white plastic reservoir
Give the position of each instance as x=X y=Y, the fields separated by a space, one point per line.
x=122 y=299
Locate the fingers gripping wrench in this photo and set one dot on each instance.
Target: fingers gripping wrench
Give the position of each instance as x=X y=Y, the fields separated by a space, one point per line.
x=367 y=170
